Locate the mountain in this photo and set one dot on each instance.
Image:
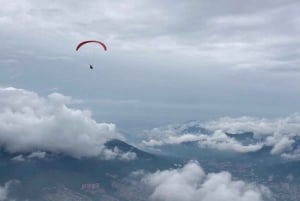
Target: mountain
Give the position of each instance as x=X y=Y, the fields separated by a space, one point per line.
x=58 y=176
x=124 y=147
x=245 y=138
x=194 y=129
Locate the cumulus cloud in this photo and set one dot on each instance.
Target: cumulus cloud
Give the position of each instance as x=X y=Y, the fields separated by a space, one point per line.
x=178 y=134
x=110 y=154
x=284 y=144
x=29 y=122
x=281 y=134
x=191 y=183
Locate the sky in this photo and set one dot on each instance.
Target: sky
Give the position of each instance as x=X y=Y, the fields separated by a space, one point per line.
x=232 y=65
x=167 y=61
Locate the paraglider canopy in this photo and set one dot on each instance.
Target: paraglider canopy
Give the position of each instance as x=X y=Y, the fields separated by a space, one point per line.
x=91 y=41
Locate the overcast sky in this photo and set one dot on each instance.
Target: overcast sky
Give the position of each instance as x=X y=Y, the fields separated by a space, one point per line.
x=167 y=61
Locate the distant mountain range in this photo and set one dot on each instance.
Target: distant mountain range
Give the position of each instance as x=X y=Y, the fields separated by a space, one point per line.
x=124 y=147
x=59 y=175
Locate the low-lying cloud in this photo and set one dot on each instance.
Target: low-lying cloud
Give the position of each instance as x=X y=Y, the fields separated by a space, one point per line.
x=29 y=122
x=115 y=153
x=33 y=155
x=4 y=189
x=191 y=183
x=281 y=134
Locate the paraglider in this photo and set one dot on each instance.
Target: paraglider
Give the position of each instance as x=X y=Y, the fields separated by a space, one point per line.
x=91 y=41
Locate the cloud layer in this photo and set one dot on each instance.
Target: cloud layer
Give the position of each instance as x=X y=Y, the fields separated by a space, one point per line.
x=191 y=183
x=187 y=57
x=281 y=134
x=252 y=36
x=29 y=122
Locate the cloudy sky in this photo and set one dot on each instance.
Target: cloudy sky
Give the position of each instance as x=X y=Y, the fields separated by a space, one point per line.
x=167 y=61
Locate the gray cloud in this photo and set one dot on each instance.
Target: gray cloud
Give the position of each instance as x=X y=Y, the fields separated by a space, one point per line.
x=18 y=158
x=29 y=122
x=191 y=53
x=191 y=183
x=257 y=35
x=4 y=189
x=293 y=155
x=3 y=192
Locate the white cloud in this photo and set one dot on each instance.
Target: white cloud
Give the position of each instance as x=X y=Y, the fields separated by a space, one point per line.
x=115 y=153
x=191 y=183
x=241 y=124
x=128 y=156
x=219 y=140
x=29 y=122
x=281 y=134
x=172 y=140
x=37 y=154
x=176 y=135
x=18 y=158
x=285 y=144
